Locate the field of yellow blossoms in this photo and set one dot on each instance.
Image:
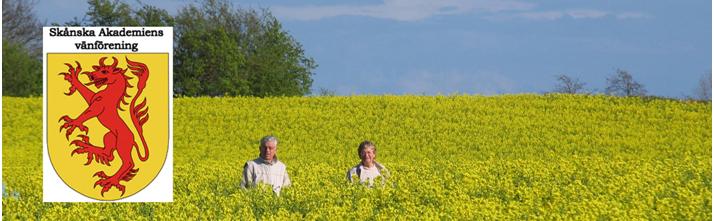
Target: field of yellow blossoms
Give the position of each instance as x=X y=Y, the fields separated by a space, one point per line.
x=451 y=157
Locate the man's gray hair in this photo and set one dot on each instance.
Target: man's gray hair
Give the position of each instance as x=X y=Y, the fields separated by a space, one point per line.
x=267 y=139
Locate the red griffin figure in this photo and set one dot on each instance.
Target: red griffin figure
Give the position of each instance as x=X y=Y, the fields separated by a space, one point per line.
x=105 y=105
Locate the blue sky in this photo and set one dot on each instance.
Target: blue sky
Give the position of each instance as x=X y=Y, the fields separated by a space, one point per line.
x=485 y=46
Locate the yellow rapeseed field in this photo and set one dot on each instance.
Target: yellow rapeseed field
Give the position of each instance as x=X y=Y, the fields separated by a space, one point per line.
x=506 y=157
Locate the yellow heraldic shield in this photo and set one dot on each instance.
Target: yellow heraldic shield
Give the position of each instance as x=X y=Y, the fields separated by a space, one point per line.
x=107 y=121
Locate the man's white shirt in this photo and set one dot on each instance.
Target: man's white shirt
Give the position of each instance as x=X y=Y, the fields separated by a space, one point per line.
x=260 y=171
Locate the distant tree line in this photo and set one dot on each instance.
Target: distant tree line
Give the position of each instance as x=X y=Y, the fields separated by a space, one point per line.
x=219 y=50
x=623 y=84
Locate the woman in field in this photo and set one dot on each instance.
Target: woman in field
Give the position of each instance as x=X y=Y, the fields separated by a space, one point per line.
x=368 y=169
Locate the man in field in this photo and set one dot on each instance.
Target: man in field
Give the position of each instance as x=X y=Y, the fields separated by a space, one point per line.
x=267 y=168
x=368 y=169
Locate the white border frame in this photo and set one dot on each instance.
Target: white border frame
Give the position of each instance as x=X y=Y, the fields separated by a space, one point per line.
x=53 y=188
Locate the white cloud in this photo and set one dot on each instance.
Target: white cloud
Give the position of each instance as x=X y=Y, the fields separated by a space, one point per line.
x=402 y=10
x=563 y=14
x=549 y=15
x=554 y=15
x=578 y=14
